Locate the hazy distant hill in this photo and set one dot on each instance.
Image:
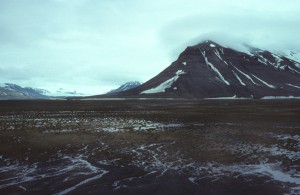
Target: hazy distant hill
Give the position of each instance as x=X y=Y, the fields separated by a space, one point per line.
x=13 y=91
x=124 y=87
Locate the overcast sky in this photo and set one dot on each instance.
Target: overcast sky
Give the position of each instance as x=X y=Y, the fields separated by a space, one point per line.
x=94 y=45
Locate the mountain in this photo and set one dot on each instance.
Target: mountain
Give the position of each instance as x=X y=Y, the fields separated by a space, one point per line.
x=124 y=87
x=209 y=70
x=13 y=91
x=40 y=91
x=64 y=93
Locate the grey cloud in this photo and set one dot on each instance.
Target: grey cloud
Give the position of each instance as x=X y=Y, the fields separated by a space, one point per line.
x=13 y=74
x=267 y=31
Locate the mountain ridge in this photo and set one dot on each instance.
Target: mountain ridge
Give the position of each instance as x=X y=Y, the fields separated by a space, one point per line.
x=13 y=91
x=209 y=70
x=10 y=91
x=125 y=86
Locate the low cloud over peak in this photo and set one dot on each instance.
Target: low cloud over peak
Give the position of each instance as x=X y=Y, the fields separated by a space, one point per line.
x=105 y=43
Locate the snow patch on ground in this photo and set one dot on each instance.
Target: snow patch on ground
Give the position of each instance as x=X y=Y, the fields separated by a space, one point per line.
x=62 y=166
x=280 y=97
x=193 y=179
x=212 y=45
x=165 y=85
x=66 y=191
x=270 y=170
x=157 y=160
x=74 y=123
x=227 y=98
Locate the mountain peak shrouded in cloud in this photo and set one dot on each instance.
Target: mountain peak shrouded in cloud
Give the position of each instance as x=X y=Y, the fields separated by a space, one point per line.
x=83 y=43
x=210 y=70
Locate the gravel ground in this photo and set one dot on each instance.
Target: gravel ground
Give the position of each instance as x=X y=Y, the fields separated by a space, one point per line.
x=150 y=147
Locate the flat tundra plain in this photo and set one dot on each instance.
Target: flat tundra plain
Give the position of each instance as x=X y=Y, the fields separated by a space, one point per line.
x=150 y=147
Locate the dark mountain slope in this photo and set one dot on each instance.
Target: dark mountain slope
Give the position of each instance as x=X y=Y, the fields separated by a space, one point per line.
x=209 y=70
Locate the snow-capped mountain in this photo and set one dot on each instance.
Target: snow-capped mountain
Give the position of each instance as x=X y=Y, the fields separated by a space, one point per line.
x=64 y=93
x=40 y=91
x=124 y=87
x=209 y=70
x=13 y=91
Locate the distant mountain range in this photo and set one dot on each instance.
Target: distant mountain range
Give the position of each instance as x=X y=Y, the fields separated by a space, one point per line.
x=205 y=70
x=64 y=93
x=209 y=70
x=13 y=91
x=125 y=87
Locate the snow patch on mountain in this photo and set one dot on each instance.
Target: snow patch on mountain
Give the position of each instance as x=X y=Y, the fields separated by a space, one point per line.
x=165 y=85
x=262 y=60
x=247 y=76
x=228 y=98
x=293 y=70
x=293 y=85
x=264 y=82
x=219 y=56
x=238 y=78
x=10 y=86
x=214 y=69
x=278 y=59
x=280 y=97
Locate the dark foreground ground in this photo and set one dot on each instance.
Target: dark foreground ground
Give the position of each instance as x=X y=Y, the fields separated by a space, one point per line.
x=150 y=147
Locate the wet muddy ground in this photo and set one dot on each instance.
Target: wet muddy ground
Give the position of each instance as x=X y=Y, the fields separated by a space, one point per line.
x=150 y=147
